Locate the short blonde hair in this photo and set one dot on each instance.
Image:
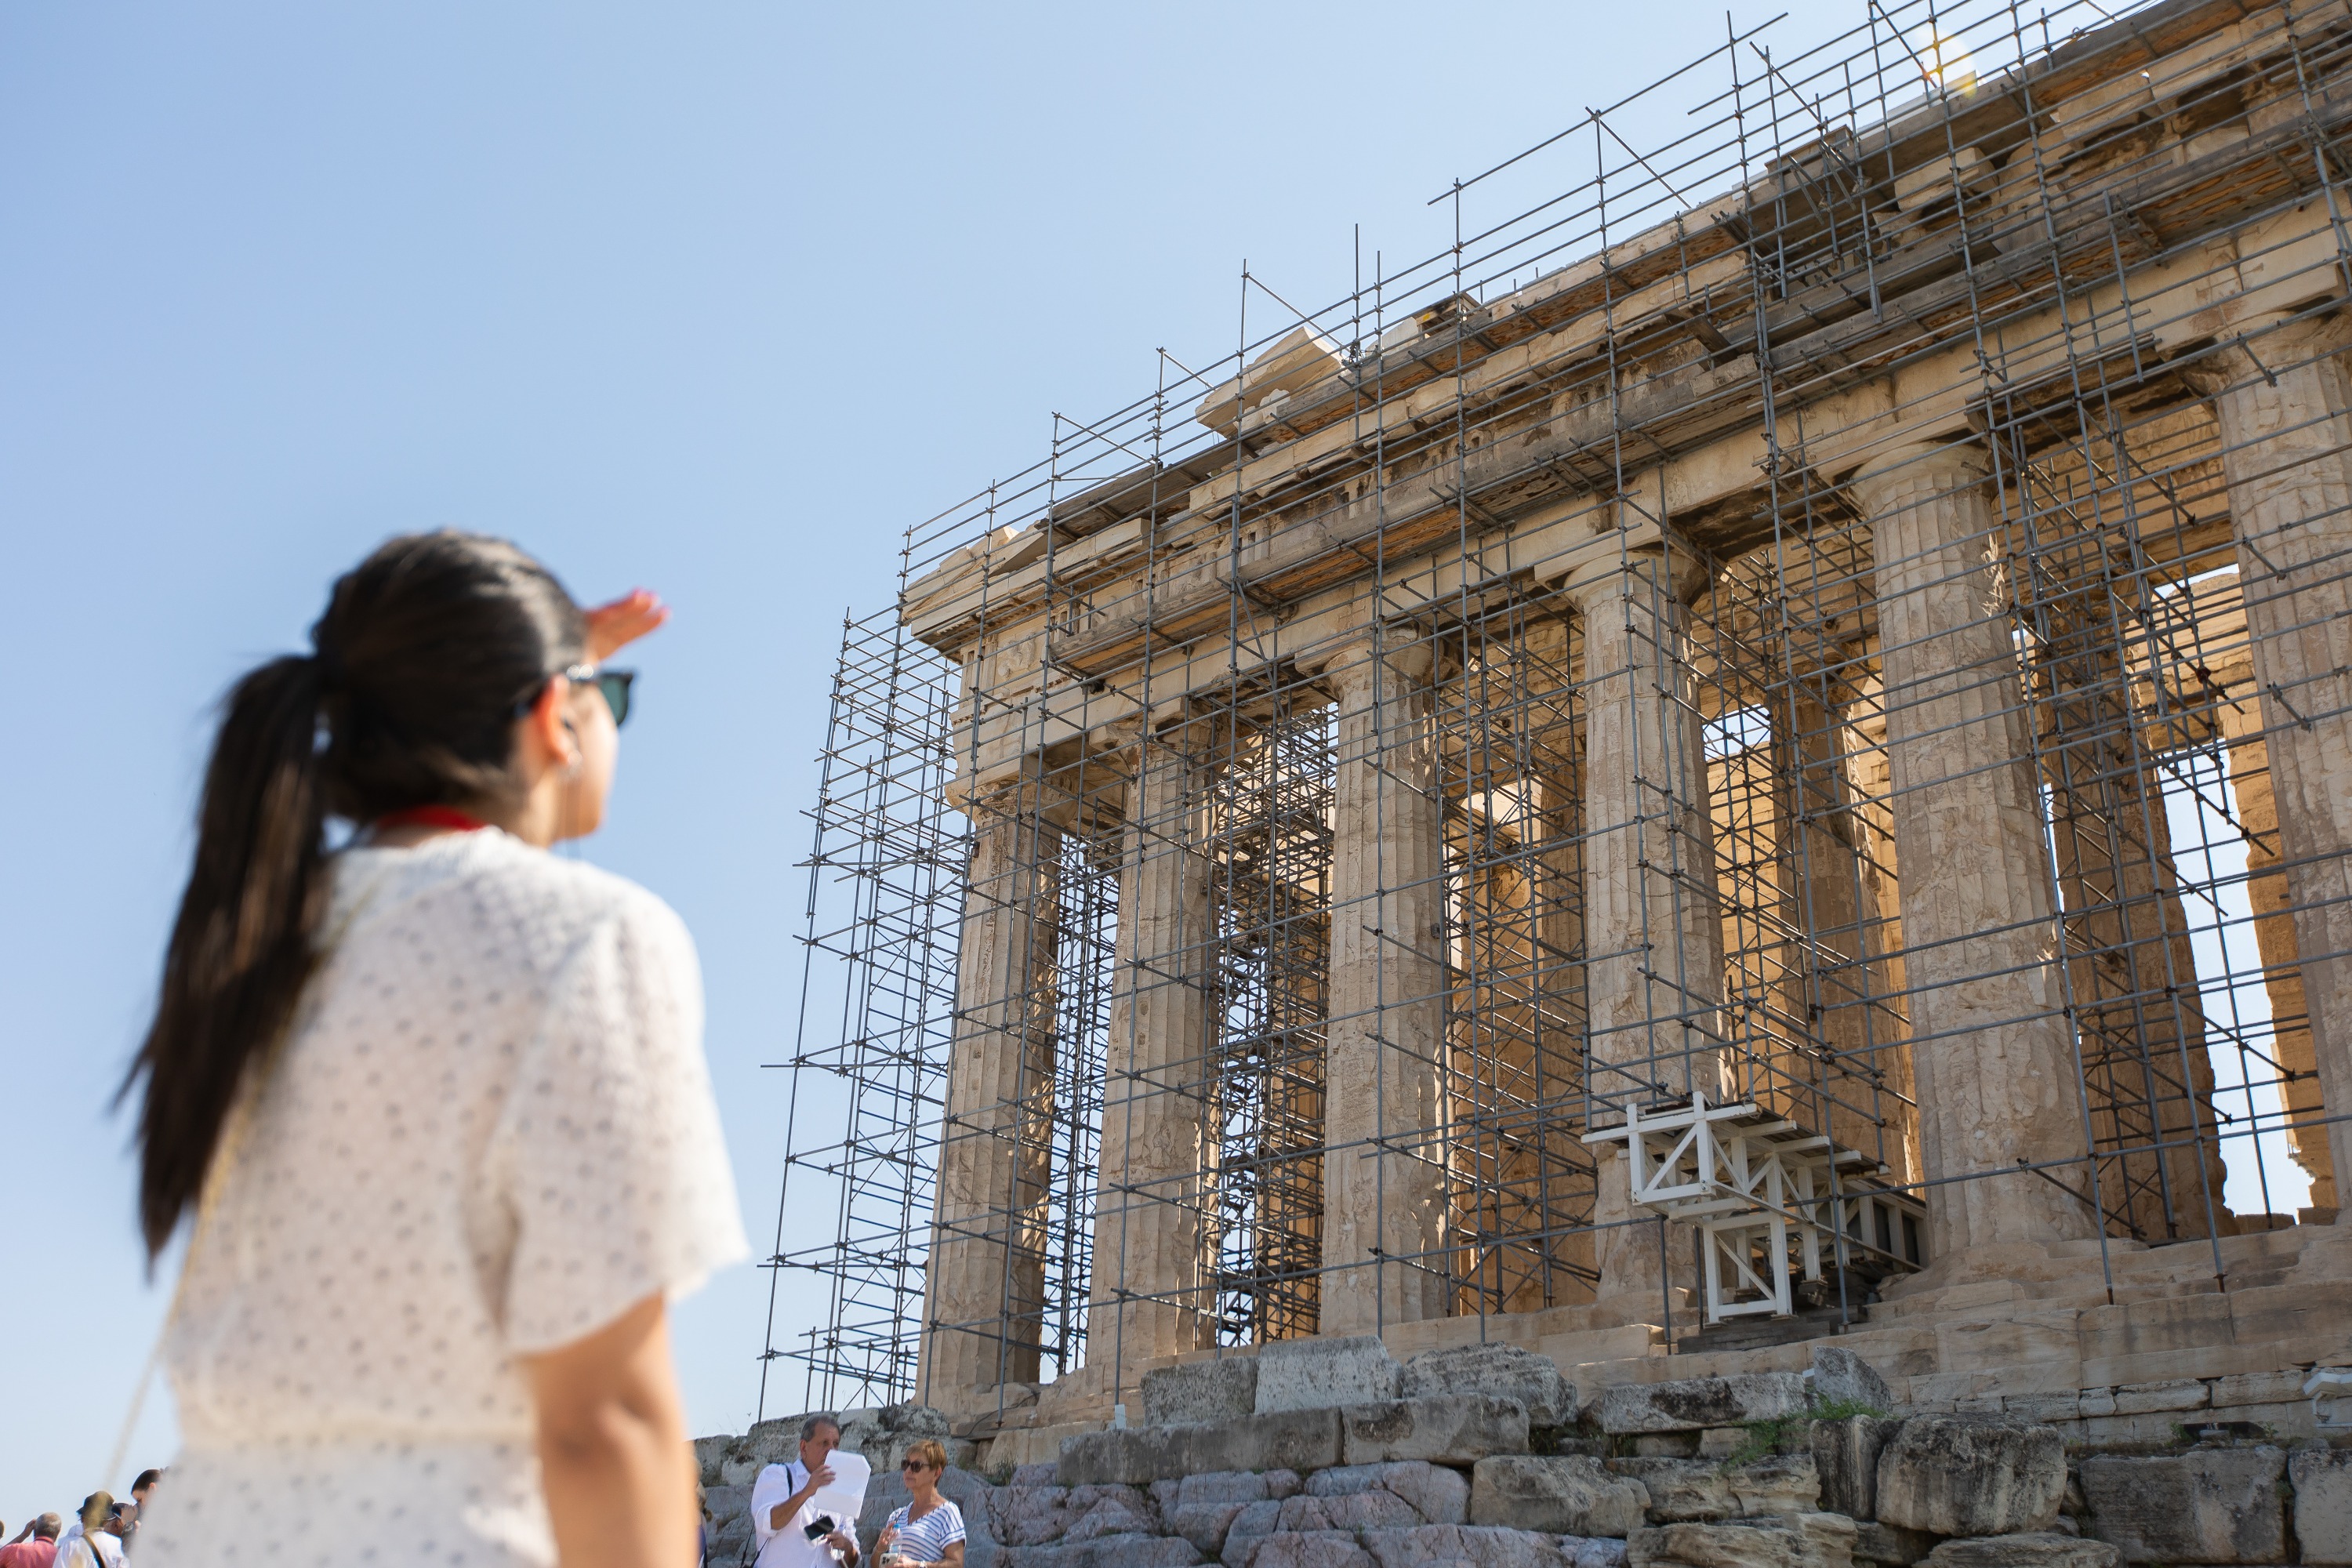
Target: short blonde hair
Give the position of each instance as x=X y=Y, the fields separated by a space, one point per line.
x=929 y=1454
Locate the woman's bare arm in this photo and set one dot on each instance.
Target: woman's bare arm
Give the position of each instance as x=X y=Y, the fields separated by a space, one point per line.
x=611 y=1446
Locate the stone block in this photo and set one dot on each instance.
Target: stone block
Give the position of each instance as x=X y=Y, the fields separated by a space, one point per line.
x=885 y=1435
x=1806 y=1541
x=1314 y=1548
x=1203 y=1523
x=1028 y=1515
x=1292 y=1441
x=1374 y=1509
x=1123 y=1511
x=2322 y=1503
x=729 y=1510
x=1220 y=1390
x=1439 y=1495
x=1506 y=1372
x=1593 y=1550
x=1682 y=1490
x=2036 y=1549
x=1466 y=1546
x=1448 y=1428
x=1971 y=1475
x=1253 y=1524
x=1693 y=1404
x=1668 y=1445
x=1238 y=1486
x=1839 y=1377
x=1722 y=1442
x=1883 y=1546
x=2147 y=1398
x=2257 y=1388
x=2207 y=1506
x=1127 y=1551
x=1846 y=1457
x=1320 y=1374
x=1570 y=1495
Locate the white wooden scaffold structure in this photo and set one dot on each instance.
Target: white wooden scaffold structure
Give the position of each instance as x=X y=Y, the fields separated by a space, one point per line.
x=1764 y=1192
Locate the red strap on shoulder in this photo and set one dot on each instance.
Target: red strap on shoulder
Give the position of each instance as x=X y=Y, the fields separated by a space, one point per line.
x=448 y=816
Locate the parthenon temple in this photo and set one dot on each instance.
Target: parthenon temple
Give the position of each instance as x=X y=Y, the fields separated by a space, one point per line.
x=1758 y=748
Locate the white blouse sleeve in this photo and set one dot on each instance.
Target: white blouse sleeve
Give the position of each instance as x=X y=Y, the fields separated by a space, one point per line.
x=615 y=1172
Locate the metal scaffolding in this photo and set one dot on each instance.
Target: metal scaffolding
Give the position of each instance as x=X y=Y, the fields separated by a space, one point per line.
x=1175 y=950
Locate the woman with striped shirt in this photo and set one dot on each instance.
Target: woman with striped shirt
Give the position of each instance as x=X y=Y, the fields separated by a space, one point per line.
x=929 y=1531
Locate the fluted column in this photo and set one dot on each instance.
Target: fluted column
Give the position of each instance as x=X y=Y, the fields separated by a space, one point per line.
x=1150 y=1284
x=2273 y=903
x=1521 y=1183
x=1833 y=975
x=1992 y=1056
x=985 y=1287
x=2287 y=452
x=1653 y=923
x=1383 y=1174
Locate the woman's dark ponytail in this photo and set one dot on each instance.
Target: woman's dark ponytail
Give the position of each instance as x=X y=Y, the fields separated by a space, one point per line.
x=423 y=652
x=243 y=944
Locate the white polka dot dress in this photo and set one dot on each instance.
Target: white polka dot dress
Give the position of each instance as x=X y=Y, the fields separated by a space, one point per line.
x=490 y=1132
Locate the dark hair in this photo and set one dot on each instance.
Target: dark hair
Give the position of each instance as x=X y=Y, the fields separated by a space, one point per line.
x=407 y=699
x=146 y=1479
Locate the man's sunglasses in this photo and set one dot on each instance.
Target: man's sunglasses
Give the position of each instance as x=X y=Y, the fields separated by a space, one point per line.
x=612 y=683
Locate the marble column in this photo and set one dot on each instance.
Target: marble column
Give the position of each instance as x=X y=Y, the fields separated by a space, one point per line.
x=1384 y=1198
x=1992 y=1055
x=2284 y=403
x=1522 y=1181
x=1152 y=1285
x=1653 y=923
x=985 y=1287
x=1833 y=972
x=2273 y=904
x=2146 y=1075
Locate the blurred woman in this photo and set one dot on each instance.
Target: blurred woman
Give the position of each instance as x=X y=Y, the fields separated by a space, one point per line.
x=436 y=1100
x=928 y=1532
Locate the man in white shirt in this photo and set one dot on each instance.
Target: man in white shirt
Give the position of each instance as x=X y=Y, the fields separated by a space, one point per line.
x=89 y=1541
x=783 y=1490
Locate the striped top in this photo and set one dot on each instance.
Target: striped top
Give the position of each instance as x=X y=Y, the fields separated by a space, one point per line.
x=926 y=1540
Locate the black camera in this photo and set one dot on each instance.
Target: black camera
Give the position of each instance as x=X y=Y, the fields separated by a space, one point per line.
x=820 y=1527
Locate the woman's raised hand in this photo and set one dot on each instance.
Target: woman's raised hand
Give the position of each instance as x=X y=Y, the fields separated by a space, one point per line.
x=614 y=627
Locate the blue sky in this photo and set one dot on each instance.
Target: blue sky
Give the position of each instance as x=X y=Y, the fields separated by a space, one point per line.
x=713 y=299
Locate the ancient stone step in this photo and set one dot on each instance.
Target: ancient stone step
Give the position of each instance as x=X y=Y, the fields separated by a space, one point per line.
x=1505 y=1370
x=1319 y=1374
x=1693 y=1404
x=1754 y=1333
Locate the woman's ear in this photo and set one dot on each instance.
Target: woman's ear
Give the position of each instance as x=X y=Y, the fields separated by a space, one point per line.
x=545 y=740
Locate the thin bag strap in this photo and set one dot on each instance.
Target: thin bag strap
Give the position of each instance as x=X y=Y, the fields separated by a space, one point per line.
x=235 y=1131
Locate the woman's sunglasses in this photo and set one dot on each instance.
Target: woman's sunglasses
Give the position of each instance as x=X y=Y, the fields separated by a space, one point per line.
x=612 y=683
